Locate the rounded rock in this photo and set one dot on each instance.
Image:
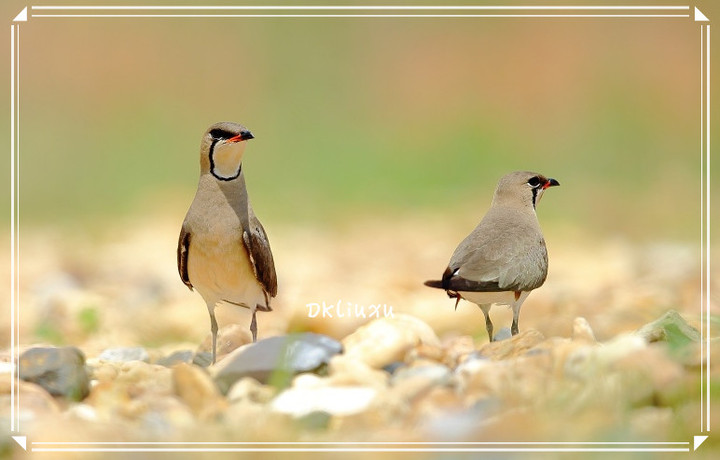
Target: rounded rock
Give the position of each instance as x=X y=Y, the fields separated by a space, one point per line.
x=194 y=386
x=60 y=371
x=279 y=357
x=385 y=340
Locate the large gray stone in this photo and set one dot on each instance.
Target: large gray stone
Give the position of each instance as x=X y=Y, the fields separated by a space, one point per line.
x=277 y=359
x=60 y=371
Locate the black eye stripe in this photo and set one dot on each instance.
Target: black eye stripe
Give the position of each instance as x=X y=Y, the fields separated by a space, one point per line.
x=534 y=181
x=221 y=134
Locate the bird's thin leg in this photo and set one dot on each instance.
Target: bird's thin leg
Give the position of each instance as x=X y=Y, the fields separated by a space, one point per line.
x=519 y=299
x=488 y=324
x=253 y=326
x=213 y=329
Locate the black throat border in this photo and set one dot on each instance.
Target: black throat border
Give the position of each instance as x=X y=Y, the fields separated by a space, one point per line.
x=534 y=197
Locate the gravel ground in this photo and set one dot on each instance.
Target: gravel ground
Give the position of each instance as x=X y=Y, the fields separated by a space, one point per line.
x=608 y=349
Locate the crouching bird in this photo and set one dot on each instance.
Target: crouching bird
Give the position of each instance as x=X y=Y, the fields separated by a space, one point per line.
x=223 y=251
x=505 y=257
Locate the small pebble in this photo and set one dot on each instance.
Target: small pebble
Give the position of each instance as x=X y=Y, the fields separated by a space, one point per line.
x=582 y=332
x=437 y=374
x=202 y=359
x=249 y=389
x=180 y=356
x=125 y=354
x=503 y=334
x=393 y=367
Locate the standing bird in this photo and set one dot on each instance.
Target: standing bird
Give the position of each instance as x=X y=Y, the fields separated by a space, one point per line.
x=505 y=257
x=223 y=250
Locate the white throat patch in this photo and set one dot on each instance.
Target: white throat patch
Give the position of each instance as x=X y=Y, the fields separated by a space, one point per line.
x=226 y=160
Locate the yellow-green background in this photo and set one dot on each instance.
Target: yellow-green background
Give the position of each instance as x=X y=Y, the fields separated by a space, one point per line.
x=362 y=116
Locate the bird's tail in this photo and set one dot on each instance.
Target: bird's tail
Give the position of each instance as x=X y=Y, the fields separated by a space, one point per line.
x=435 y=284
x=439 y=284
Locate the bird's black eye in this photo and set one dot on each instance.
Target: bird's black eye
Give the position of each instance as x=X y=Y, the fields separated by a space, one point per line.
x=221 y=134
x=534 y=181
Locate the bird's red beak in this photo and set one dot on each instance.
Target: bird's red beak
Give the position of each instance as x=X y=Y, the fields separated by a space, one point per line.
x=550 y=183
x=243 y=136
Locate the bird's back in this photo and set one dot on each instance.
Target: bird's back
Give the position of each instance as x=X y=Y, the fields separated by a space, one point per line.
x=506 y=249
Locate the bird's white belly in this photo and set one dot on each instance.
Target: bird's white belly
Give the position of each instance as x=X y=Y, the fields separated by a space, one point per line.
x=484 y=298
x=223 y=272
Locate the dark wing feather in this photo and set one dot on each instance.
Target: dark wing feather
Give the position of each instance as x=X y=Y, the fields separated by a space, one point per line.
x=182 y=256
x=458 y=283
x=441 y=284
x=258 y=247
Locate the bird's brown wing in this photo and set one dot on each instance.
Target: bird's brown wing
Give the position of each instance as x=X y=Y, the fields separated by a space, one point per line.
x=258 y=248
x=183 y=250
x=499 y=257
x=515 y=268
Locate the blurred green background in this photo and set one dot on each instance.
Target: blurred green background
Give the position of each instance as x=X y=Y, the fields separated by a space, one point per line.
x=356 y=120
x=357 y=117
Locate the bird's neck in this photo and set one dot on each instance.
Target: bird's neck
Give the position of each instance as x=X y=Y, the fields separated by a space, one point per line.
x=234 y=191
x=524 y=206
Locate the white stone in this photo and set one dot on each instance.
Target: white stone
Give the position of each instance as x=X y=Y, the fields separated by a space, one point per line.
x=336 y=401
x=85 y=412
x=309 y=380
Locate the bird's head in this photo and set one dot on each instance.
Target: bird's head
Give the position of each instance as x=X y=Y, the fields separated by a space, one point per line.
x=522 y=188
x=222 y=149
